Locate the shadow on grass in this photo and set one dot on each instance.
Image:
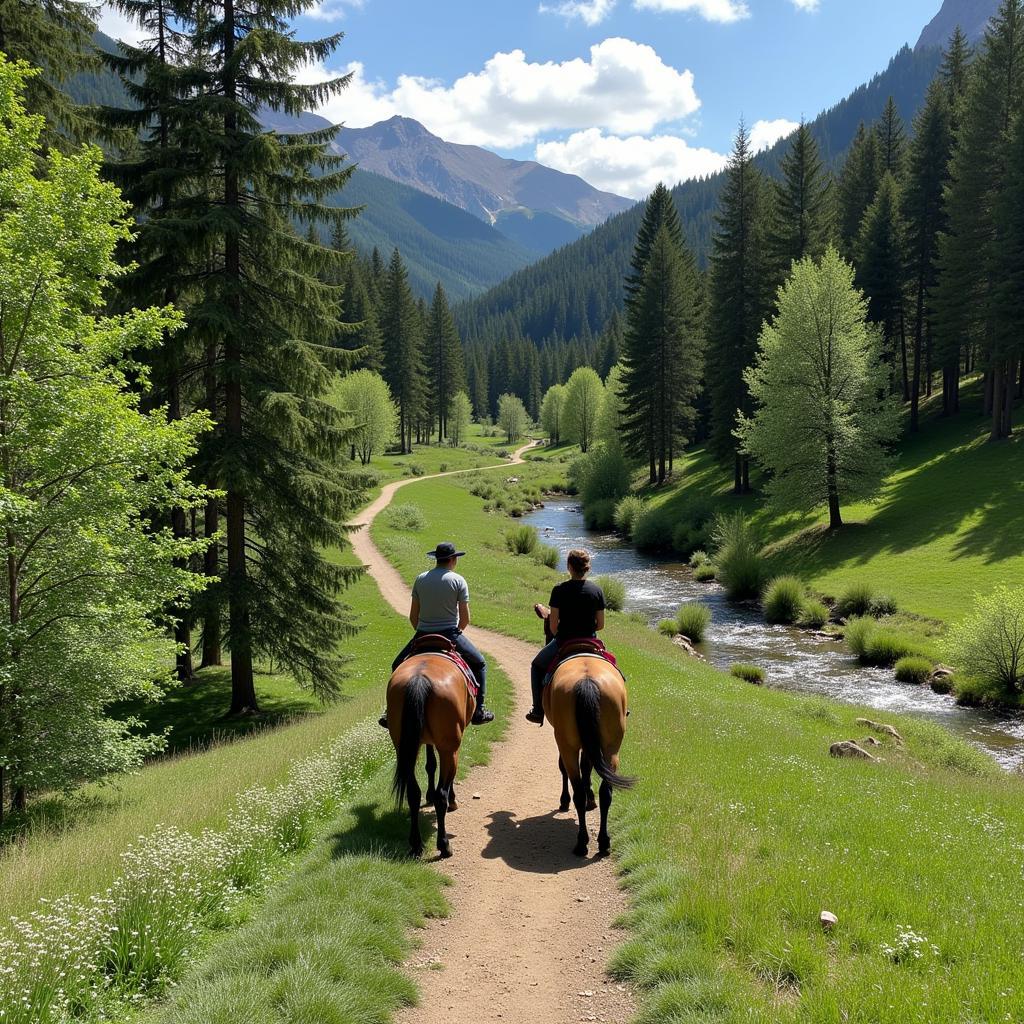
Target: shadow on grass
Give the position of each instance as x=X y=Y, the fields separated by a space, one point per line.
x=379 y=829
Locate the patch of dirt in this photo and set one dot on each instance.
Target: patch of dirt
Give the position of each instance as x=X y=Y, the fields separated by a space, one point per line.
x=531 y=927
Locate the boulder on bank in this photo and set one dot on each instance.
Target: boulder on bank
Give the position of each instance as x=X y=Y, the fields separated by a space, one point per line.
x=885 y=730
x=850 y=748
x=684 y=642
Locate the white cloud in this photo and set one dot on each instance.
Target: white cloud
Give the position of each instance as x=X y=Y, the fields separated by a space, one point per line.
x=119 y=26
x=765 y=134
x=712 y=10
x=592 y=12
x=624 y=87
x=630 y=166
x=332 y=10
x=806 y=5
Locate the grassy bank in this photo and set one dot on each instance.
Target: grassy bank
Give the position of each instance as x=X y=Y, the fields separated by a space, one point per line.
x=743 y=829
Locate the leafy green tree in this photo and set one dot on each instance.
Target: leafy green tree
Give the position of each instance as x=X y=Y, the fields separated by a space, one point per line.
x=924 y=216
x=459 y=415
x=551 y=412
x=882 y=274
x=857 y=186
x=739 y=302
x=801 y=223
x=512 y=417
x=446 y=371
x=823 y=422
x=401 y=330
x=663 y=359
x=581 y=407
x=85 y=474
x=365 y=397
x=971 y=250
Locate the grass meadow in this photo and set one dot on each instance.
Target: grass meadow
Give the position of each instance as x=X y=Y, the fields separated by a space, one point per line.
x=743 y=829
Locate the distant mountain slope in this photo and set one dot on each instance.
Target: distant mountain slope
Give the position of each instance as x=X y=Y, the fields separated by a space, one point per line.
x=543 y=207
x=575 y=290
x=971 y=15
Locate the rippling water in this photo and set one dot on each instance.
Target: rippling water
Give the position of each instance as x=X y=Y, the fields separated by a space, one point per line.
x=792 y=658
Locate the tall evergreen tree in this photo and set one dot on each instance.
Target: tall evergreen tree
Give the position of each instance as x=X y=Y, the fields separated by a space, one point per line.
x=739 y=299
x=660 y=211
x=971 y=250
x=956 y=65
x=858 y=184
x=446 y=372
x=801 y=222
x=401 y=329
x=927 y=174
x=892 y=141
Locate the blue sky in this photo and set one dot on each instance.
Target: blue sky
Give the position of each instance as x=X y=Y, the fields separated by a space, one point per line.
x=623 y=92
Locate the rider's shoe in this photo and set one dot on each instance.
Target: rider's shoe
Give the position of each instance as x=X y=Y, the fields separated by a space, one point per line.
x=383 y=720
x=482 y=716
x=535 y=715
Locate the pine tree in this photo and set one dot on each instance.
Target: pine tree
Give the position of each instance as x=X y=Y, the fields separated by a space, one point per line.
x=892 y=141
x=401 y=333
x=956 y=65
x=924 y=215
x=801 y=213
x=971 y=249
x=739 y=299
x=446 y=372
x=882 y=274
x=663 y=361
x=660 y=211
x=858 y=184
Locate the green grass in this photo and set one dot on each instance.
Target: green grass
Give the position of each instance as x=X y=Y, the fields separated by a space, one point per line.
x=742 y=830
x=948 y=521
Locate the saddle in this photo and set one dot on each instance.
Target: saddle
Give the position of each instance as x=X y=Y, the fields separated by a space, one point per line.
x=435 y=643
x=584 y=647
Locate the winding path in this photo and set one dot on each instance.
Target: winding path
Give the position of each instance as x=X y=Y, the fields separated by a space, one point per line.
x=531 y=925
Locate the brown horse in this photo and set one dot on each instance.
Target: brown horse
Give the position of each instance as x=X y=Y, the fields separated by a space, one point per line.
x=428 y=703
x=585 y=702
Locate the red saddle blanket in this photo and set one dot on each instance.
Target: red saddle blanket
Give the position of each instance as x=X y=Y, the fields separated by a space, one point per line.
x=435 y=643
x=587 y=646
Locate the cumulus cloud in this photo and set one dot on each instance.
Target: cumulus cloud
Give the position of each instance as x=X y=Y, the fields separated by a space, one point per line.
x=592 y=12
x=118 y=26
x=765 y=134
x=712 y=10
x=332 y=10
x=624 y=87
x=629 y=166
x=806 y=5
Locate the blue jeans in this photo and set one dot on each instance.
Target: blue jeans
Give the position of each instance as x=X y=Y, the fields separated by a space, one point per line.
x=465 y=647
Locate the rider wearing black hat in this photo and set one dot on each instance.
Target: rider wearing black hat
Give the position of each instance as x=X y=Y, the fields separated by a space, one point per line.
x=440 y=605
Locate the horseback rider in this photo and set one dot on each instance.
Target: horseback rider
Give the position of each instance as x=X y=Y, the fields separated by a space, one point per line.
x=440 y=606
x=577 y=612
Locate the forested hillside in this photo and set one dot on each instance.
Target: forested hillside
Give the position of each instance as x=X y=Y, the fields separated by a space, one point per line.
x=572 y=293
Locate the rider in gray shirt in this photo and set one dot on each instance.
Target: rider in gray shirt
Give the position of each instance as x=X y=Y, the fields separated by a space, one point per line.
x=440 y=604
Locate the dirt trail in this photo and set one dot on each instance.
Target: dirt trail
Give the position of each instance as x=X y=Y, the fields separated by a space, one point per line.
x=531 y=925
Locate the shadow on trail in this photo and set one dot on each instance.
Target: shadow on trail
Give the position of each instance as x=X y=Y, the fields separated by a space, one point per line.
x=538 y=845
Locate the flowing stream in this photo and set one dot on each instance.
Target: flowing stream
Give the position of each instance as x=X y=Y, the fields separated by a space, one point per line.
x=793 y=659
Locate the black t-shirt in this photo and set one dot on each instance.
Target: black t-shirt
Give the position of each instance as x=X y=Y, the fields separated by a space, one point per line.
x=578 y=602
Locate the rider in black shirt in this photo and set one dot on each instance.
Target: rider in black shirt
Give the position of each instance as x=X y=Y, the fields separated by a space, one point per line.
x=577 y=611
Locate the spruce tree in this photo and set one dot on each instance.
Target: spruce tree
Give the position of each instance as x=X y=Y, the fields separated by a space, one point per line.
x=927 y=174
x=739 y=300
x=401 y=336
x=892 y=141
x=446 y=372
x=956 y=65
x=858 y=183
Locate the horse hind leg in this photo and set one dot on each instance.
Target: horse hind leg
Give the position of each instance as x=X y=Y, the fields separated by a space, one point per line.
x=415 y=836
x=443 y=797
x=565 y=799
x=431 y=773
x=585 y=770
x=604 y=843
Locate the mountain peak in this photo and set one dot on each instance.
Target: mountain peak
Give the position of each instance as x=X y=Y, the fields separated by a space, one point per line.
x=972 y=16
x=399 y=131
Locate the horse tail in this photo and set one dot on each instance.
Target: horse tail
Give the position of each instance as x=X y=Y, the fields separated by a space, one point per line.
x=414 y=718
x=588 y=723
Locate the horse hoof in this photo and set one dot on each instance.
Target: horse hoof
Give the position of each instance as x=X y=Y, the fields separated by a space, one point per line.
x=453 y=805
x=604 y=846
x=580 y=850
x=415 y=853
x=564 y=807
x=591 y=803
x=445 y=851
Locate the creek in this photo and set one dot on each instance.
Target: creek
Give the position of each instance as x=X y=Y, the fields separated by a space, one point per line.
x=793 y=659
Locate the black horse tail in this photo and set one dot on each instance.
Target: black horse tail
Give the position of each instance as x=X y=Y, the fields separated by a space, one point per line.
x=414 y=718
x=588 y=722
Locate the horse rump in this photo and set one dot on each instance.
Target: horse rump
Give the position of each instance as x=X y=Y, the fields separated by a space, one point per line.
x=414 y=719
x=588 y=723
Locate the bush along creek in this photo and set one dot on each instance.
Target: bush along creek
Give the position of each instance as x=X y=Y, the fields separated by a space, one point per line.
x=857 y=647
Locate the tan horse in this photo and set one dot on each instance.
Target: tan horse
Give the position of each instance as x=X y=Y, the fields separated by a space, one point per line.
x=585 y=702
x=428 y=703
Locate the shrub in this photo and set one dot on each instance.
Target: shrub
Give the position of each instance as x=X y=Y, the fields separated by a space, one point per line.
x=599 y=515
x=815 y=615
x=693 y=619
x=668 y=627
x=943 y=684
x=522 y=540
x=686 y=537
x=738 y=556
x=705 y=573
x=547 y=555
x=443 y=467
x=857 y=633
x=913 y=669
x=698 y=558
x=748 y=673
x=405 y=517
x=652 y=530
x=626 y=513
x=856 y=600
x=884 y=604
x=874 y=645
x=416 y=469
x=614 y=592
x=990 y=641
x=784 y=600
x=601 y=474
x=972 y=692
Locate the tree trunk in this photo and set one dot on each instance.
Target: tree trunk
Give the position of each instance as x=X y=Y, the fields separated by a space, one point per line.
x=746 y=475
x=986 y=404
x=835 y=519
x=915 y=389
x=996 y=391
x=211 y=525
x=19 y=801
x=903 y=357
x=737 y=476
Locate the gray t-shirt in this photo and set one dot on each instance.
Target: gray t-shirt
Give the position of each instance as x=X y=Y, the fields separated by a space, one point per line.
x=439 y=591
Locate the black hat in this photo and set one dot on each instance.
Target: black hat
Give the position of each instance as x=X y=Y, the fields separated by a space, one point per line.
x=444 y=551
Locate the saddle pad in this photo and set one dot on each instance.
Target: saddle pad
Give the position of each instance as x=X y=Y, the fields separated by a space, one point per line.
x=444 y=648
x=586 y=648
